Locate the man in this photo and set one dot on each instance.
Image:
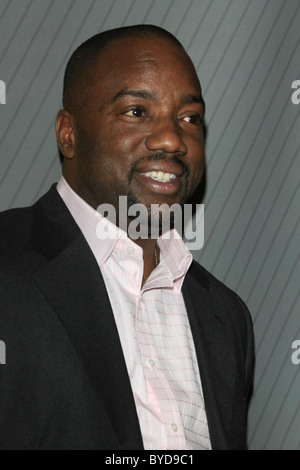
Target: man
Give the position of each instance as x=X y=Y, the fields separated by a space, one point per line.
x=113 y=343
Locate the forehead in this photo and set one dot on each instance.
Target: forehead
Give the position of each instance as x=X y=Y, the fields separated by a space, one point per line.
x=155 y=62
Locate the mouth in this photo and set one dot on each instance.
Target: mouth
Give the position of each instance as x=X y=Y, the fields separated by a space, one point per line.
x=165 y=177
x=160 y=182
x=160 y=176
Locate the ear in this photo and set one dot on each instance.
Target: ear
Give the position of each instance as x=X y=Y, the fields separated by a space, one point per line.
x=65 y=133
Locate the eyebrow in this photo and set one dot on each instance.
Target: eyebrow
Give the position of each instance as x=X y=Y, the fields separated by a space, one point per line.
x=189 y=98
x=144 y=94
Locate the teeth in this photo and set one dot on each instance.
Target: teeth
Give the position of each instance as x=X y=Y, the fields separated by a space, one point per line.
x=160 y=176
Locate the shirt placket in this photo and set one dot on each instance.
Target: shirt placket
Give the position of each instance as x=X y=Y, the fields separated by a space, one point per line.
x=162 y=398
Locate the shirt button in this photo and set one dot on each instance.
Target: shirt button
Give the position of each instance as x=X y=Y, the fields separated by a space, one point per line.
x=174 y=427
x=130 y=250
x=152 y=363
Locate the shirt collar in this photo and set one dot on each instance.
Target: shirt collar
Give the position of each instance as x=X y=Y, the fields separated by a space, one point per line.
x=92 y=224
x=175 y=256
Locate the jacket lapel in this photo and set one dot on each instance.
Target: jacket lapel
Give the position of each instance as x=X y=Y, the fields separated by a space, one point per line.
x=213 y=339
x=72 y=283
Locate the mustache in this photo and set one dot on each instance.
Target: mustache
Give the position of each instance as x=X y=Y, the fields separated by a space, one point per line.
x=158 y=157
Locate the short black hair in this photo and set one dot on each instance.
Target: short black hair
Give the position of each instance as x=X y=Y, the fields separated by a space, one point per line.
x=84 y=57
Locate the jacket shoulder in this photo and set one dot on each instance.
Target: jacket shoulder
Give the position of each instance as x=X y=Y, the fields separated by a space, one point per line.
x=209 y=281
x=15 y=227
x=227 y=301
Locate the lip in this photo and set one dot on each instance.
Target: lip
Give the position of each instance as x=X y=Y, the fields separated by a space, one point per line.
x=160 y=166
x=163 y=188
x=154 y=186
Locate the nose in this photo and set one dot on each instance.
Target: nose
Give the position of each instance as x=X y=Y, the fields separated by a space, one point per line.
x=166 y=136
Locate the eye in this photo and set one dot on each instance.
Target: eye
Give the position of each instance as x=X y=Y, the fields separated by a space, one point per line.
x=194 y=119
x=136 y=112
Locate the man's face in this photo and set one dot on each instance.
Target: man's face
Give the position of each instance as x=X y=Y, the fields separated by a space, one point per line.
x=139 y=132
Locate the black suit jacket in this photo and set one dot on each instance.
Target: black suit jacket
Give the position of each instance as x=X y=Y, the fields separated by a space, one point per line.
x=65 y=383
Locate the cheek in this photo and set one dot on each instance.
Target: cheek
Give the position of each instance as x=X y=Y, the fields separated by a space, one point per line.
x=118 y=140
x=127 y=142
x=119 y=152
x=113 y=156
x=197 y=161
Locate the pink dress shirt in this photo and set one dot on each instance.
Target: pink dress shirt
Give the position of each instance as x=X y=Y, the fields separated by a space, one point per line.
x=154 y=330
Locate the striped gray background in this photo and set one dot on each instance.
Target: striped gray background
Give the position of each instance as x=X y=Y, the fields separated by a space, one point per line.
x=247 y=56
